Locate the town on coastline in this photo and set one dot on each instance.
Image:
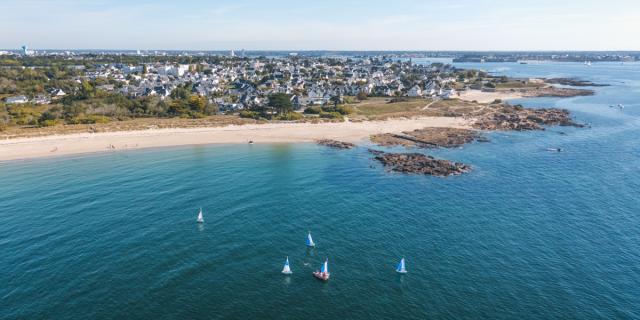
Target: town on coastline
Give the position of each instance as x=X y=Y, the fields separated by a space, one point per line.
x=52 y=89
x=44 y=94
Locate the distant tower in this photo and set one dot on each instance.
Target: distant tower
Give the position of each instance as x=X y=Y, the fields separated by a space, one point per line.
x=242 y=53
x=25 y=50
x=232 y=54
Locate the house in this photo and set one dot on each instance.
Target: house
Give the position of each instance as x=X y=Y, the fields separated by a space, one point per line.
x=106 y=87
x=41 y=99
x=296 y=102
x=17 y=100
x=415 y=91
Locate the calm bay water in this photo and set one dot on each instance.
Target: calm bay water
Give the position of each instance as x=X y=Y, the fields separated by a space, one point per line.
x=528 y=234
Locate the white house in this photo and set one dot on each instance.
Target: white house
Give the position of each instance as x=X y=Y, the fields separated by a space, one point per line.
x=415 y=91
x=16 y=100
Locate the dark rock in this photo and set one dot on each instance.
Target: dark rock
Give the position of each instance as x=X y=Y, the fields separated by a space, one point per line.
x=574 y=82
x=336 y=144
x=421 y=164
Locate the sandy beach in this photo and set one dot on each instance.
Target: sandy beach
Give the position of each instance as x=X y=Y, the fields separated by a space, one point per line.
x=487 y=97
x=356 y=132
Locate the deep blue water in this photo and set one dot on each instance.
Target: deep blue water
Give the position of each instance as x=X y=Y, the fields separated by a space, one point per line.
x=528 y=234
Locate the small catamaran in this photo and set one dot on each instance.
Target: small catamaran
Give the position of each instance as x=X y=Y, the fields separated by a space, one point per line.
x=310 y=242
x=401 y=267
x=200 y=218
x=287 y=268
x=323 y=274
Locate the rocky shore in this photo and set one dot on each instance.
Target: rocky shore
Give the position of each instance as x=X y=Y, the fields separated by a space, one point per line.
x=429 y=138
x=557 y=92
x=336 y=144
x=509 y=117
x=418 y=163
x=574 y=82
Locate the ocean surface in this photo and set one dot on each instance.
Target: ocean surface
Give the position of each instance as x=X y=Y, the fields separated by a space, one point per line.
x=529 y=234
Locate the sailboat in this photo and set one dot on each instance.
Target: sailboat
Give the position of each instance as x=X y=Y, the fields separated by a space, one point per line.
x=287 y=268
x=200 y=218
x=310 y=242
x=401 y=267
x=323 y=274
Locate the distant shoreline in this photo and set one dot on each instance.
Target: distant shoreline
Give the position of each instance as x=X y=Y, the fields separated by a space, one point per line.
x=82 y=143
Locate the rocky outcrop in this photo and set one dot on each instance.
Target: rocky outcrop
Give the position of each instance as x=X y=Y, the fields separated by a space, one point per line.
x=418 y=163
x=520 y=119
x=429 y=138
x=574 y=82
x=558 y=92
x=336 y=144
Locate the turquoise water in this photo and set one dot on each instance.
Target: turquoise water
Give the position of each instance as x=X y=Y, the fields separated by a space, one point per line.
x=528 y=234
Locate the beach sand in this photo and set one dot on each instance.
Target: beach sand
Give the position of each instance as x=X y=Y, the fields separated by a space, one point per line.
x=355 y=132
x=488 y=97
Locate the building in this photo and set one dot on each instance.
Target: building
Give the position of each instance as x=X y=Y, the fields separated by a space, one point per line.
x=26 y=52
x=17 y=100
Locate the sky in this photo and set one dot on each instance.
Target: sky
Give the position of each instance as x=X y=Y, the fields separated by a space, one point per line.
x=321 y=25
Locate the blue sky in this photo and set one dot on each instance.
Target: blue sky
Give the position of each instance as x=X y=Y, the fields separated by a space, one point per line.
x=326 y=24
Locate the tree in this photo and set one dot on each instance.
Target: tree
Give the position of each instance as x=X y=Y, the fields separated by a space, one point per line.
x=87 y=90
x=281 y=102
x=197 y=103
x=180 y=93
x=336 y=100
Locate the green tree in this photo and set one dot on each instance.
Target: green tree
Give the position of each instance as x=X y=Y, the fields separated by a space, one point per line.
x=281 y=102
x=197 y=103
x=336 y=100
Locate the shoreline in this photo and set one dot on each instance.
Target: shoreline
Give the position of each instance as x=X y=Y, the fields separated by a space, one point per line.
x=85 y=143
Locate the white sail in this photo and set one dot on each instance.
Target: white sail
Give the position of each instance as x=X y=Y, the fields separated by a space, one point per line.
x=200 y=218
x=310 y=242
x=401 y=267
x=287 y=268
x=325 y=267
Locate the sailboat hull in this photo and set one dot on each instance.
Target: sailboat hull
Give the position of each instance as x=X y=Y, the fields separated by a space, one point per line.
x=324 y=276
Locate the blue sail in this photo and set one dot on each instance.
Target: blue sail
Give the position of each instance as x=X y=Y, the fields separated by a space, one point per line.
x=310 y=241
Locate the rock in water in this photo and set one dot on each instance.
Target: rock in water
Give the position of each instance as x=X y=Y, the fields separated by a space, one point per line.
x=336 y=144
x=421 y=164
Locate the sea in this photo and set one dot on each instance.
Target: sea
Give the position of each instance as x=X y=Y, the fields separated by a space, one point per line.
x=528 y=234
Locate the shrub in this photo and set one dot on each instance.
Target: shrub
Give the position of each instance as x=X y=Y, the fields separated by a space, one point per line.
x=3 y=126
x=331 y=115
x=249 y=114
x=91 y=119
x=341 y=109
x=48 y=123
x=497 y=101
x=291 y=116
x=313 y=110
